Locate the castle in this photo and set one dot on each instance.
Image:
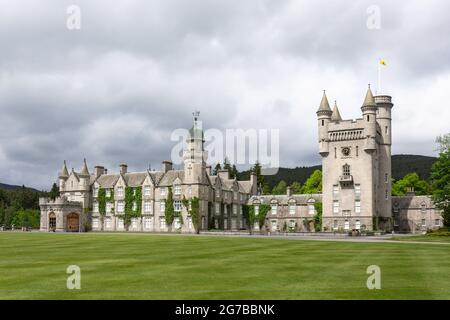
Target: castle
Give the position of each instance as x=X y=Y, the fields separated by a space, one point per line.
x=356 y=166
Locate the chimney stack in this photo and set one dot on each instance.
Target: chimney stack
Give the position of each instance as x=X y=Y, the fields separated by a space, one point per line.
x=123 y=168
x=98 y=171
x=289 y=191
x=167 y=166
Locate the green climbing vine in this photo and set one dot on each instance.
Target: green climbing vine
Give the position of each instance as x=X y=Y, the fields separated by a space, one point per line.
x=193 y=210
x=132 y=195
x=318 y=216
x=250 y=217
x=102 y=201
x=169 y=211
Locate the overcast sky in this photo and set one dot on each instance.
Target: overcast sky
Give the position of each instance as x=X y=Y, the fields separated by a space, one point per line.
x=114 y=90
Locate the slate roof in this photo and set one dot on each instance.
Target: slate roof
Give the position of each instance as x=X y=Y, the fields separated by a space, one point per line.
x=284 y=199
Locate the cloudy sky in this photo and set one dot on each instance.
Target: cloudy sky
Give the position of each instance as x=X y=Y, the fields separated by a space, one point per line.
x=115 y=89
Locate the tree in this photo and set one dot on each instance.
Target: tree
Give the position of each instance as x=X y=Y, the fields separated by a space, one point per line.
x=280 y=188
x=226 y=165
x=296 y=187
x=443 y=142
x=313 y=184
x=234 y=172
x=257 y=171
x=54 y=192
x=216 y=169
x=440 y=178
x=411 y=180
x=169 y=211
x=266 y=189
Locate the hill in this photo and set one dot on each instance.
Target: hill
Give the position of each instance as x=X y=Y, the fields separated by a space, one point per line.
x=402 y=164
x=4 y=186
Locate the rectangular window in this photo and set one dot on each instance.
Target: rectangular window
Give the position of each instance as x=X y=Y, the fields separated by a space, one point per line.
x=120 y=206
x=292 y=223
x=386 y=195
x=357 y=189
x=177 y=190
x=292 y=208
x=134 y=223
x=120 y=191
x=256 y=210
x=437 y=222
x=95 y=223
x=108 y=207
x=95 y=206
x=162 y=206
x=147 y=191
x=163 y=192
x=217 y=193
x=95 y=192
x=134 y=208
x=177 y=205
x=162 y=223
x=335 y=190
x=108 y=223
x=311 y=209
x=347 y=225
x=357 y=225
x=335 y=206
x=120 y=225
x=386 y=178
x=424 y=223
x=234 y=209
x=357 y=206
x=147 y=206
x=217 y=208
x=235 y=195
x=148 y=223
x=108 y=193
x=274 y=209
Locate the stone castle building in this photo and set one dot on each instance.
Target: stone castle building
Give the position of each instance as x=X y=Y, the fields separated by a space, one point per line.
x=356 y=170
x=78 y=207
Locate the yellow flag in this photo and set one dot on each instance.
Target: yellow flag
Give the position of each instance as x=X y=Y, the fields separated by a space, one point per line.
x=383 y=62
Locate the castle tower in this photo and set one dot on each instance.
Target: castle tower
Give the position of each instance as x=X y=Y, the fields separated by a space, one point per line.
x=84 y=185
x=324 y=117
x=195 y=156
x=62 y=177
x=384 y=120
x=355 y=159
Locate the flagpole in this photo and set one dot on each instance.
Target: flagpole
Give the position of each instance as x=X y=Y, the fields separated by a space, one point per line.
x=379 y=77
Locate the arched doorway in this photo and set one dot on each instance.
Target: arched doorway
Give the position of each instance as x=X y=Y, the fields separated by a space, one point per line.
x=73 y=222
x=52 y=222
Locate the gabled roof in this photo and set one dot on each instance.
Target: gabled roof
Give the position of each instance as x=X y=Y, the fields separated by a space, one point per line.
x=245 y=186
x=108 y=180
x=170 y=176
x=134 y=179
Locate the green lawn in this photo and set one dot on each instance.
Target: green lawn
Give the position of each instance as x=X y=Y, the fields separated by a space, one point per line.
x=124 y=266
x=427 y=237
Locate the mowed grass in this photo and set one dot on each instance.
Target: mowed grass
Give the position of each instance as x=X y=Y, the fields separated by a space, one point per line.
x=126 y=266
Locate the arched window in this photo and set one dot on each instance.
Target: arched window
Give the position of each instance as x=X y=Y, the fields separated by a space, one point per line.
x=346 y=170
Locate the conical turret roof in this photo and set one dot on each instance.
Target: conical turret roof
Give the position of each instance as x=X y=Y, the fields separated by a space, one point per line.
x=369 y=100
x=84 y=170
x=64 y=173
x=336 y=116
x=324 y=105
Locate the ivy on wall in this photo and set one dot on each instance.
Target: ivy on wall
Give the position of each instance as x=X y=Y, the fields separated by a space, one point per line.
x=132 y=195
x=169 y=211
x=250 y=217
x=193 y=210
x=318 y=216
x=103 y=199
